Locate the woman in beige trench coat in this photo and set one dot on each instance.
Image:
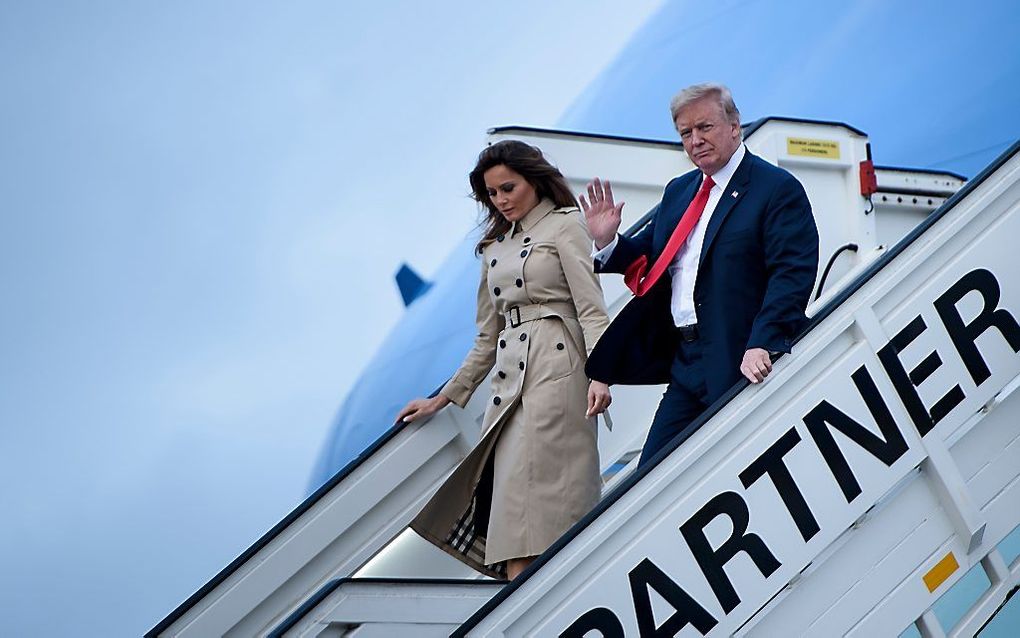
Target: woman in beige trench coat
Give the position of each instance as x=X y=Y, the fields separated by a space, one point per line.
x=535 y=471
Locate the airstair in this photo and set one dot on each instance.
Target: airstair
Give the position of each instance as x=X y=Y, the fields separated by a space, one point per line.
x=875 y=470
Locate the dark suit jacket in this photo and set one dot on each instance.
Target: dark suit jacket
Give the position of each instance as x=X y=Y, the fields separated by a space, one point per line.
x=758 y=266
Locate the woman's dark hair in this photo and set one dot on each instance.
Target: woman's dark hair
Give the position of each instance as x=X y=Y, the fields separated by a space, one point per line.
x=526 y=160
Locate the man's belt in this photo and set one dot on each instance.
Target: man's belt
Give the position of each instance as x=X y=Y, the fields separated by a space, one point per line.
x=517 y=315
x=688 y=333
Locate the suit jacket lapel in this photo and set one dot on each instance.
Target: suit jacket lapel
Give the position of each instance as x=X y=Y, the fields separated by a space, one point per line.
x=735 y=190
x=673 y=215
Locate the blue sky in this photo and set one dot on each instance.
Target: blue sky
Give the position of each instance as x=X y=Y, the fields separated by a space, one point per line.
x=202 y=206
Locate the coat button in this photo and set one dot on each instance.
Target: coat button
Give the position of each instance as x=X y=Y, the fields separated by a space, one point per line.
x=560 y=346
x=495 y=400
x=492 y=263
x=527 y=240
x=495 y=291
x=524 y=253
x=502 y=344
x=502 y=375
x=500 y=238
x=523 y=336
x=521 y=365
x=520 y=283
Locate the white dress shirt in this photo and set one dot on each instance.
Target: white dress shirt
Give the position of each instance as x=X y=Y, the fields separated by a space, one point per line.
x=684 y=269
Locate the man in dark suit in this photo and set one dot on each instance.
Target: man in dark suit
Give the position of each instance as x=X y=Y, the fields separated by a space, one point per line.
x=721 y=274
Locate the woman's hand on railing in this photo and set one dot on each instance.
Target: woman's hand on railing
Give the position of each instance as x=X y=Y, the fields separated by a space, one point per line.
x=422 y=408
x=599 y=398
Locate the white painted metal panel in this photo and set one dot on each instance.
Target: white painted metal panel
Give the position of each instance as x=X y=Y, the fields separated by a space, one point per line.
x=393 y=608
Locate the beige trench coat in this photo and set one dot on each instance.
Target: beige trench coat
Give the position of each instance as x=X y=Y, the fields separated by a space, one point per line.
x=535 y=471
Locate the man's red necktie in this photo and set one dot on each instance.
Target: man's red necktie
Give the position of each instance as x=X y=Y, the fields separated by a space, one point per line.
x=635 y=277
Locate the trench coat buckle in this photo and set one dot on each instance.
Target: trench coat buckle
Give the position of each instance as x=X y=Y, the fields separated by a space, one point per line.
x=514 y=322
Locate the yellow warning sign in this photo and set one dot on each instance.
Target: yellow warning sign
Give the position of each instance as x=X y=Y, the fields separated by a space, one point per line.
x=940 y=572
x=825 y=149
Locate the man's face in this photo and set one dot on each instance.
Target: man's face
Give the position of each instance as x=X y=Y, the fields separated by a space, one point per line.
x=709 y=138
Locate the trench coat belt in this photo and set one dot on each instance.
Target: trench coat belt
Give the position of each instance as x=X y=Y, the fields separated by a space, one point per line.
x=517 y=315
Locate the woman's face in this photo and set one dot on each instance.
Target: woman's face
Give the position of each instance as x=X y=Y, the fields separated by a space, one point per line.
x=509 y=192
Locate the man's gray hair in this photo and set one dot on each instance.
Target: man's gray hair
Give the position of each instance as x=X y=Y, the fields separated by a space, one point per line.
x=707 y=89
